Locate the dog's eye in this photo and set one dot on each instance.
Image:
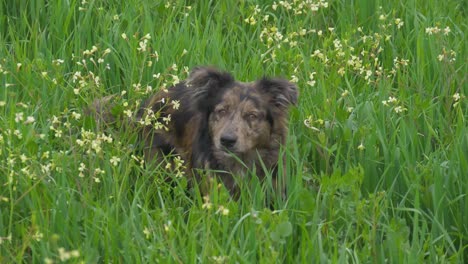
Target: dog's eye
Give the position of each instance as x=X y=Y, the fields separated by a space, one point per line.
x=221 y=112
x=252 y=116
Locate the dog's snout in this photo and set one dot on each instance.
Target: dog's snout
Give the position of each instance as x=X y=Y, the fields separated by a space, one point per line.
x=228 y=141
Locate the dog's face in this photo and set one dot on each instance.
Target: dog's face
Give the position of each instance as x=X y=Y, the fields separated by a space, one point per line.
x=240 y=121
x=241 y=116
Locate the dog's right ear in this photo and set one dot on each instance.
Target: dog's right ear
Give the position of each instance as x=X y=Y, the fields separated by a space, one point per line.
x=207 y=83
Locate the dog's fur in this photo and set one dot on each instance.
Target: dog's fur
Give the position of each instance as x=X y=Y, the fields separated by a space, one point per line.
x=222 y=125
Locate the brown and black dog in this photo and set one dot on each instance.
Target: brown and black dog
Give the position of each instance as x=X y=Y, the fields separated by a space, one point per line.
x=218 y=124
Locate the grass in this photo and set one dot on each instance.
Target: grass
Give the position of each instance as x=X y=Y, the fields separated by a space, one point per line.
x=377 y=157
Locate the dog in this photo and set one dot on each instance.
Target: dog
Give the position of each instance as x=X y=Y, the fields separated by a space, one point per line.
x=218 y=124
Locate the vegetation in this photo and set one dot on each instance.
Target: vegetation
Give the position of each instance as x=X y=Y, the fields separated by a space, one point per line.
x=377 y=157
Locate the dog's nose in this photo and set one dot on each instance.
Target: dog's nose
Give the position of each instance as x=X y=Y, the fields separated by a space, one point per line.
x=228 y=141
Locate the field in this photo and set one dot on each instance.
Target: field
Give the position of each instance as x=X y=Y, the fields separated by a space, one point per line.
x=376 y=160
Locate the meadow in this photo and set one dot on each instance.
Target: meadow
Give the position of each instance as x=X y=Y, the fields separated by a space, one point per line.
x=376 y=160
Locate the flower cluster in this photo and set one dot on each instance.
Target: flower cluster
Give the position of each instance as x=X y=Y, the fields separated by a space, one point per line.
x=177 y=165
x=436 y=30
x=143 y=43
x=151 y=118
x=274 y=37
x=222 y=210
x=252 y=20
x=457 y=97
x=447 y=55
x=394 y=104
x=208 y=205
x=220 y=259
x=184 y=10
x=336 y=52
x=92 y=142
x=86 y=79
x=64 y=255
x=300 y=7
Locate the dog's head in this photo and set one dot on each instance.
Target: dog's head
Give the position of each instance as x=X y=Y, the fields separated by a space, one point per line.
x=241 y=116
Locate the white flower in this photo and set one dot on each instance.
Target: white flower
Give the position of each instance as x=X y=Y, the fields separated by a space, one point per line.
x=128 y=113
x=392 y=99
x=361 y=147
x=398 y=22
x=294 y=79
x=82 y=167
x=175 y=104
x=30 y=120
x=147 y=232
x=446 y=30
x=223 y=210
x=311 y=82
x=19 y=117
x=175 y=79
x=76 y=115
x=399 y=109
x=114 y=160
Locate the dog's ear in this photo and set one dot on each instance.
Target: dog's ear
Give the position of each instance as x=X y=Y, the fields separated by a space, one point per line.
x=207 y=83
x=282 y=93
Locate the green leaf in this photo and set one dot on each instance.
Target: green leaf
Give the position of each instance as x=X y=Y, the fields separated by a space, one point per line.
x=284 y=229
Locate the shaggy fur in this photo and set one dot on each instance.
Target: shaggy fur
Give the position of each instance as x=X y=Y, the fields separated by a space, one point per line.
x=222 y=125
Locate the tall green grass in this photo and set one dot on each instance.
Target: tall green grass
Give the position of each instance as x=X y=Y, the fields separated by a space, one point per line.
x=377 y=156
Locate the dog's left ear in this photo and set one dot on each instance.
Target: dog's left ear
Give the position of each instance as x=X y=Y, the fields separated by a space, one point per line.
x=207 y=83
x=282 y=92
